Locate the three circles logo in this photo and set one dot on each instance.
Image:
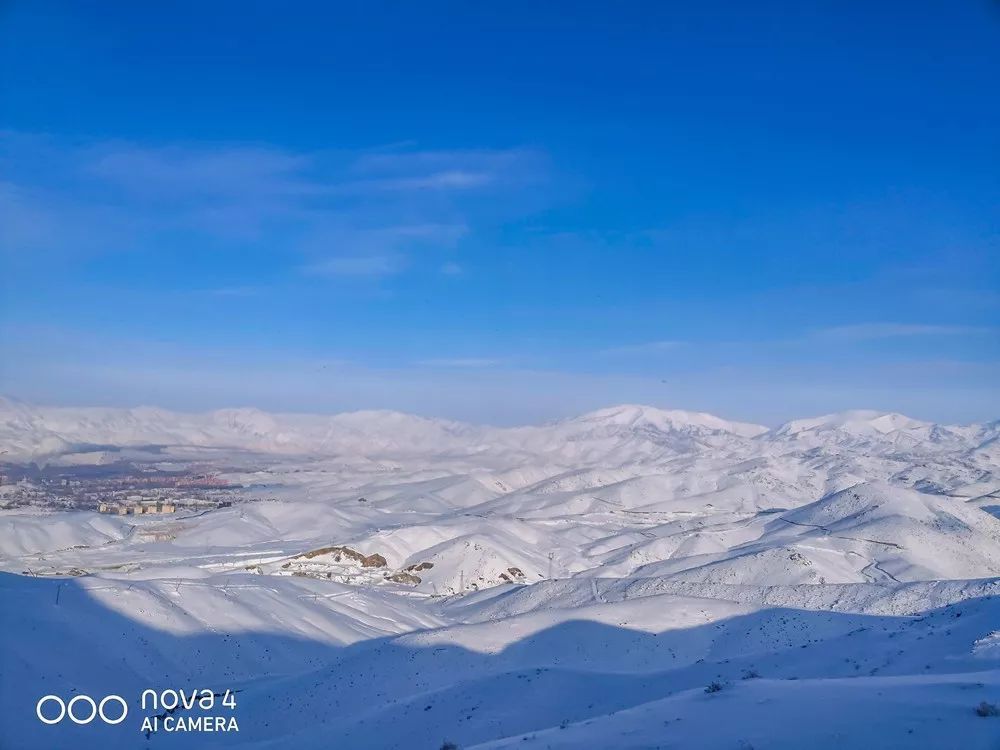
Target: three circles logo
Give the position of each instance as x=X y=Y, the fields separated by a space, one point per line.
x=81 y=709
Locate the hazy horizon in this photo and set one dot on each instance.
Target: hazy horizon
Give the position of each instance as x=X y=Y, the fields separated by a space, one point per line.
x=482 y=423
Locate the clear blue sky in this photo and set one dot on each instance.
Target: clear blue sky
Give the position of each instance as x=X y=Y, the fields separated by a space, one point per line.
x=502 y=212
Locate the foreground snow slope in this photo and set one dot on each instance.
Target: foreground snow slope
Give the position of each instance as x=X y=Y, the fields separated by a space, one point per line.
x=320 y=665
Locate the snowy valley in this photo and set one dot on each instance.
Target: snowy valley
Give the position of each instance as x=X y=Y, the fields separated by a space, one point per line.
x=630 y=578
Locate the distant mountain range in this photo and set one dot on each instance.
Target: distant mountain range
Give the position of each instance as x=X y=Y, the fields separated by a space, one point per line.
x=614 y=435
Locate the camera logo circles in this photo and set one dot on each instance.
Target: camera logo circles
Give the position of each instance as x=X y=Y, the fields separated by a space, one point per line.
x=81 y=709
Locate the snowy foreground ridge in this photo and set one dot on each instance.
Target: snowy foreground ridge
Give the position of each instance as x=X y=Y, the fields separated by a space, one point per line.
x=630 y=578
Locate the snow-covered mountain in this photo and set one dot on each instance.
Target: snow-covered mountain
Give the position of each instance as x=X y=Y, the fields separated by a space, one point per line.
x=617 y=579
x=631 y=417
x=30 y=432
x=883 y=432
x=40 y=432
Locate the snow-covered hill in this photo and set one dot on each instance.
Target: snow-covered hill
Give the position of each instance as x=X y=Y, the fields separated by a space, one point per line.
x=620 y=579
x=28 y=432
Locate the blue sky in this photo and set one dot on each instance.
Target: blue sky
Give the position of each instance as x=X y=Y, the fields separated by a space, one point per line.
x=502 y=212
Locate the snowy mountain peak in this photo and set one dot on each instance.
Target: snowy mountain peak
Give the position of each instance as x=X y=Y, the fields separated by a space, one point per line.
x=666 y=420
x=858 y=422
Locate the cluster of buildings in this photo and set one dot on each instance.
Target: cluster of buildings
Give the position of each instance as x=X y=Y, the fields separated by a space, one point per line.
x=137 y=508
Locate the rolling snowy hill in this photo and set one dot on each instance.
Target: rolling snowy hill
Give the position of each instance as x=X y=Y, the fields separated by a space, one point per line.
x=621 y=579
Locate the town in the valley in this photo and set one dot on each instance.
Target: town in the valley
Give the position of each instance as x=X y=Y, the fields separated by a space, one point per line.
x=121 y=488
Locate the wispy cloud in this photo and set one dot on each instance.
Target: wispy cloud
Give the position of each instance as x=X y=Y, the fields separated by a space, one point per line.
x=502 y=165
x=455 y=179
x=232 y=291
x=874 y=331
x=357 y=265
x=648 y=347
x=333 y=212
x=229 y=173
x=339 y=250
x=464 y=362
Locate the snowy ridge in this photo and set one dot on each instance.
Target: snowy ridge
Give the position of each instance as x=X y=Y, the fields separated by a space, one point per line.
x=619 y=579
x=624 y=433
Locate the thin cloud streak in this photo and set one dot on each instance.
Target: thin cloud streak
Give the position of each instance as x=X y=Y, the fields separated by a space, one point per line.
x=359 y=265
x=649 y=347
x=873 y=331
x=454 y=179
x=464 y=362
